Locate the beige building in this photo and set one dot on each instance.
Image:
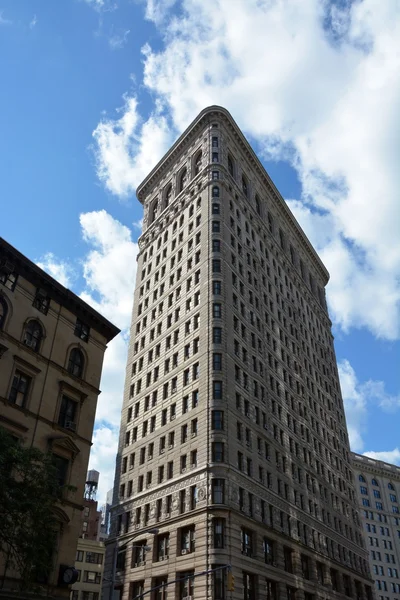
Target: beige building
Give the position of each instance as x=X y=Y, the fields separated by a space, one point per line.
x=233 y=450
x=51 y=347
x=89 y=564
x=378 y=489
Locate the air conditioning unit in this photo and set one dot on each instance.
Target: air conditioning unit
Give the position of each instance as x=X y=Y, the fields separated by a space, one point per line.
x=259 y=452
x=274 y=564
x=70 y=425
x=170 y=447
x=29 y=343
x=194 y=465
x=183 y=470
x=150 y=456
x=162 y=450
x=185 y=551
x=187 y=598
x=194 y=434
x=248 y=444
x=265 y=426
x=173 y=417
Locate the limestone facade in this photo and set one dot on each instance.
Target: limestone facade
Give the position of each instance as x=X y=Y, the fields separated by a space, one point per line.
x=378 y=489
x=233 y=446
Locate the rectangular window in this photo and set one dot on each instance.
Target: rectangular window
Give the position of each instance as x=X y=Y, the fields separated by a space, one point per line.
x=247 y=542
x=94 y=558
x=269 y=555
x=216 y=288
x=8 y=277
x=20 y=389
x=217 y=417
x=68 y=413
x=82 y=330
x=217 y=390
x=249 y=586
x=41 y=301
x=217 y=361
x=218 y=527
x=215 y=227
x=218 y=452
x=217 y=310
x=217 y=335
x=218 y=491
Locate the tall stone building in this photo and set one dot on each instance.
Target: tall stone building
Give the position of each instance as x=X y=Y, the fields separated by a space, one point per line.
x=52 y=346
x=233 y=446
x=378 y=489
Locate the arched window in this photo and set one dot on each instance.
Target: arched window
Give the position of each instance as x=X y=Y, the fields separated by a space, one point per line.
x=231 y=166
x=391 y=486
x=215 y=191
x=3 y=312
x=361 y=478
x=183 y=180
x=33 y=335
x=258 y=205
x=374 y=482
x=245 y=187
x=167 y=196
x=153 y=212
x=197 y=162
x=76 y=362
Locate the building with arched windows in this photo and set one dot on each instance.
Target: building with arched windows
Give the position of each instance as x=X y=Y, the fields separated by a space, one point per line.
x=52 y=346
x=233 y=448
x=378 y=493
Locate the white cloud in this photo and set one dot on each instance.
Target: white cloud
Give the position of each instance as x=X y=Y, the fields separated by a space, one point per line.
x=355 y=405
x=390 y=456
x=109 y=270
x=359 y=398
x=102 y=458
x=33 y=23
x=117 y=40
x=127 y=148
x=61 y=270
x=324 y=97
x=3 y=20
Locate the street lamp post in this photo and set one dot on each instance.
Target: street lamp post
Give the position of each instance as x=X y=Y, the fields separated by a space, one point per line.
x=115 y=556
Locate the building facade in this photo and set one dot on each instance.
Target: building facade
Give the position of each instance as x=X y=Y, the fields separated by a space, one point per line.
x=233 y=454
x=51 y=354
x=378 y=488
x=89 y=564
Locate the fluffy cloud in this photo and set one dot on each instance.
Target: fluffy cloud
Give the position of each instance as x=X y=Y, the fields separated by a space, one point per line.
x=127 y=148
x=315 y=83
x=359 y=398
x=355 y=404
x=109 y=271
x=61 y=270
x=391 y=456
x=102 y=458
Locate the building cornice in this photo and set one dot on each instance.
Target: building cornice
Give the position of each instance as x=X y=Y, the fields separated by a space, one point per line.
x=376 y=467
x=63 y=296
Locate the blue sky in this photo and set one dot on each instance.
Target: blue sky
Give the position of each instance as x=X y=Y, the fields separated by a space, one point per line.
x=93 y=93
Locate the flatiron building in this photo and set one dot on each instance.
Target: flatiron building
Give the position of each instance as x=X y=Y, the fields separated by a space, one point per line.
x=233 y=455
